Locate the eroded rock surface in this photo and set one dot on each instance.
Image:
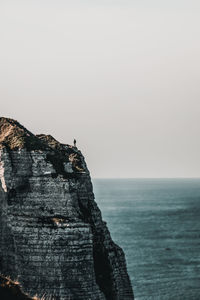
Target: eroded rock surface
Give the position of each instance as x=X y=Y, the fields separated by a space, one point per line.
x=52 y=237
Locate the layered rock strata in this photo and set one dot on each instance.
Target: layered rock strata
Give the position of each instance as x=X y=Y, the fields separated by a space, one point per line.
x=52 y=237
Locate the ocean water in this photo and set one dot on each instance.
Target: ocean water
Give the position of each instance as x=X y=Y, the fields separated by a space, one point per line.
x=157 y=223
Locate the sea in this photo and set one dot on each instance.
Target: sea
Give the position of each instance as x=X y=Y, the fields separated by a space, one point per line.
x=157 y=223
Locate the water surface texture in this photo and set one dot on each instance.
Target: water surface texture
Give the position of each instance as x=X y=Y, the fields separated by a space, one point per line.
x=157 y=223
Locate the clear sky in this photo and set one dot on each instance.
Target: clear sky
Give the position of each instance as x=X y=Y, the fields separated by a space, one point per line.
x=122 y=77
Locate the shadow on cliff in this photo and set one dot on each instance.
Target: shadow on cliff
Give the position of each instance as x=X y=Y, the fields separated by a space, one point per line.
x=11 y=290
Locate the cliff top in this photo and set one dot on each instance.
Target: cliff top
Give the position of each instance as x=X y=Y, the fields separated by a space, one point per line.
x=14 y=136
x=51 y=141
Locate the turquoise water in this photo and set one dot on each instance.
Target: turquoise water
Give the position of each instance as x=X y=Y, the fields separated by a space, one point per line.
x=157 y=223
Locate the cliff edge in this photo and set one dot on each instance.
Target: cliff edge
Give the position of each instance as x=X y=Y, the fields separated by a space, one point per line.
x=52 y=237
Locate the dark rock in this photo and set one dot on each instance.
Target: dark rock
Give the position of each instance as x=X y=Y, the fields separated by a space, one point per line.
x=11 y=290
x=52 y=237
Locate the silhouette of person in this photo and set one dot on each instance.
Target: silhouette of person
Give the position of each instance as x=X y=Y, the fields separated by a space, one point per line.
x=74 y=143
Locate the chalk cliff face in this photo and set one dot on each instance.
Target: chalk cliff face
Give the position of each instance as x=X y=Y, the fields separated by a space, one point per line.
x=52 y=237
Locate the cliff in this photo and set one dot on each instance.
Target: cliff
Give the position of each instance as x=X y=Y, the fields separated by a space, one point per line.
x=52 y=237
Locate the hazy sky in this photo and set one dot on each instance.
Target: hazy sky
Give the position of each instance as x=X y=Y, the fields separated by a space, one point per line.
x=122 y=77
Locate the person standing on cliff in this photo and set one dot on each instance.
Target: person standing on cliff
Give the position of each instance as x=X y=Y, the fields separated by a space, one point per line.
x=74 y=143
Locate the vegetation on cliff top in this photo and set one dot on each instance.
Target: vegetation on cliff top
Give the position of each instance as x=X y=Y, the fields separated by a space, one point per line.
x=14 y=136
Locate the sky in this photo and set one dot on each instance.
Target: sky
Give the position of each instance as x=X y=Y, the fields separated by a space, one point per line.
x=122 y=77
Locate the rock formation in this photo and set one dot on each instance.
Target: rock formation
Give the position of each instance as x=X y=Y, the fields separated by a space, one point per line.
x=52 y=237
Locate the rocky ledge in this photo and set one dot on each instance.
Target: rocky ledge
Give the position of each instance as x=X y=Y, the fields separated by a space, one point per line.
x=52 y=236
